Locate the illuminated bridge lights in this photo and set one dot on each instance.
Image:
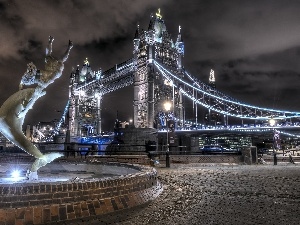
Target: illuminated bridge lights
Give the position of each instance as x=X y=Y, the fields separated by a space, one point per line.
x=112 y=80
x=234 y=108
x=96 y=140
x=234 y=128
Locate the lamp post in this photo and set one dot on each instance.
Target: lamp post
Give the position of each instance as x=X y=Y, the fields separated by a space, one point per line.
x=275 y=138
x=167 y=106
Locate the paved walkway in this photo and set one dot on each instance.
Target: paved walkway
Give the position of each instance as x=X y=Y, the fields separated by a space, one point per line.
x=220 y=194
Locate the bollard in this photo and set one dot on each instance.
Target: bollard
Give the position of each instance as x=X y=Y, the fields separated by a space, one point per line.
x=167 y=159
x=275 y=159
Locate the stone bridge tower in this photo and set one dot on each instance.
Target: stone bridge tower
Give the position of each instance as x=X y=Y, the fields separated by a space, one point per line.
x=151 y=90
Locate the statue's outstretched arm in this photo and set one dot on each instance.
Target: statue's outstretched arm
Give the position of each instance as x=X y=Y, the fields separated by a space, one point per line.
x=66 y=55
x=49 y=46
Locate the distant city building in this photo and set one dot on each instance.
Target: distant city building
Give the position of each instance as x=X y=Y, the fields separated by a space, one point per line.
x=5 y=143
x=212 y=118
x=43 y=132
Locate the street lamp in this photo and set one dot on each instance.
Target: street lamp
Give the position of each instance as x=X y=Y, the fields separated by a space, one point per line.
x=275 y=138
x=167 y=106
x=272 y=122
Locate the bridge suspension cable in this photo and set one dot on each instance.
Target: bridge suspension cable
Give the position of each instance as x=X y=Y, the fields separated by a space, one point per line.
x=222 y=103
x=62 y=119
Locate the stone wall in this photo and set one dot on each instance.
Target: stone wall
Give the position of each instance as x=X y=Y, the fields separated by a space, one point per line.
x=203 y=158
x=40 y=203
x=132 y=141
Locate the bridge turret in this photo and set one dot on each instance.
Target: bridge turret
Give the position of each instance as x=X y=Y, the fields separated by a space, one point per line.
x=71 y=118
x=151 y=23
x=180 y=49
x=72 y=77
x=136 y=44
x=98 y=74
x=150 y=39
x=136 y=40
x=73 y=83
x=77 y=75
x=155 y=44
x=86 y=72
x=156 y=27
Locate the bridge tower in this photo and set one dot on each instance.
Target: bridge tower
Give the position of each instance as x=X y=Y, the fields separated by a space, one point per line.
x=84 y=116
x=151 y=91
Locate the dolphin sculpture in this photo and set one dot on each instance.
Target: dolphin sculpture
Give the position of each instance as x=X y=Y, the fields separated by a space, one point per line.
x=15 y=108
x=12 y=115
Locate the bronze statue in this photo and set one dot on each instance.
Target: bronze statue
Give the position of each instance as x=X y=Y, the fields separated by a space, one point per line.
x=53 y=68
x=15 y=108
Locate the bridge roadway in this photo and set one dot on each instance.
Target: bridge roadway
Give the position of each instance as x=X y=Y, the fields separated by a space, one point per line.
x=238 y=129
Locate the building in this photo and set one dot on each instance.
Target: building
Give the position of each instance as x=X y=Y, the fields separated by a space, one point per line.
x=212 y=118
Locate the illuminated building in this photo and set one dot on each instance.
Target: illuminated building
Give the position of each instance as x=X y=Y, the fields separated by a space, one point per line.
x=211 y=117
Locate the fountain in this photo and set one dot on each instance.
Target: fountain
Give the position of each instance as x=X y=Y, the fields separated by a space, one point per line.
x=67 y=189
x=15 y=108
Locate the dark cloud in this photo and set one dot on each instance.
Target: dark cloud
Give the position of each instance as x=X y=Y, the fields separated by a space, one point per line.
x=253 y=46
x=81 y=21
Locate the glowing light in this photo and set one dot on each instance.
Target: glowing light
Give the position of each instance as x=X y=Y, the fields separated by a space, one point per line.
x=168 y=82
x=167 y=106
x=82 y=93
x=224 y=99
x=272 y=122
x=15 y=174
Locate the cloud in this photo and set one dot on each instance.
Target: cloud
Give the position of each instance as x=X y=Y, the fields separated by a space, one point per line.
x=237 y=29
x=253 y=46
x=81 y=21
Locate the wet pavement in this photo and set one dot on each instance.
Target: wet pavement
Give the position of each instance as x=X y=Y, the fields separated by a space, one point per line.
x=220 y=194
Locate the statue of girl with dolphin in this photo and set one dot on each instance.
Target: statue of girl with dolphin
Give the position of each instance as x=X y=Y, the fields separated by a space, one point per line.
x=15 y=108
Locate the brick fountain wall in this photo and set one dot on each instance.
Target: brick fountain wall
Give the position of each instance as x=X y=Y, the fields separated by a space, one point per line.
x=40 y=203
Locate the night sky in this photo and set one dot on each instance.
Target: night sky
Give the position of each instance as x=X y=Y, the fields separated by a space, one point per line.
x=253 y=46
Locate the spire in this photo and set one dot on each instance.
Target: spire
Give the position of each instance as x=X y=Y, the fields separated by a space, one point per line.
x=137 y=32
x=151 y=24
x=86 y=62
x=158 y=14
x=154 y=19
x=179 y=37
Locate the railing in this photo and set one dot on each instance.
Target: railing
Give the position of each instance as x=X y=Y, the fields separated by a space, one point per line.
x=84 y=150
x=72 y=150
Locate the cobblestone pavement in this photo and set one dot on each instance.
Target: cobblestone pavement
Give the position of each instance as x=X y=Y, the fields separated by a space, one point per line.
x=220 y=194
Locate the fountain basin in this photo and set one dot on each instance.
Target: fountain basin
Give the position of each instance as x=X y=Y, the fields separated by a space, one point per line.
x=68 y=191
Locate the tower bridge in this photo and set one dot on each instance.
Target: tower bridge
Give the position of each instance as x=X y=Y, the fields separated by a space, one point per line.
x=157 y=74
